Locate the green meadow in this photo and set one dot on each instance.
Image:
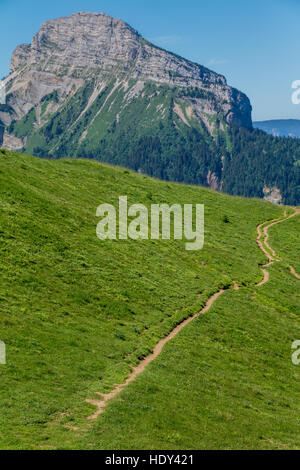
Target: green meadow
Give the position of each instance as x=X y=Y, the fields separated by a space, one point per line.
x=76 y=313
x=225 y=382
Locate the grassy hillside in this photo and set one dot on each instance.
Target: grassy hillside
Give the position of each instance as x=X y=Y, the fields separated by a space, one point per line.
x=225 y=382
x=280 y=127
x=76 y=313
x=172 y=133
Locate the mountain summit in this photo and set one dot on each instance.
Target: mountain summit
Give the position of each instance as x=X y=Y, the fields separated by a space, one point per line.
x=90 y=85
x=68 y=51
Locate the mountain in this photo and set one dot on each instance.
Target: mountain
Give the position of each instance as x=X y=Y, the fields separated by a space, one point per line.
x=91 y=86
x=109 y=54
x=280 y=127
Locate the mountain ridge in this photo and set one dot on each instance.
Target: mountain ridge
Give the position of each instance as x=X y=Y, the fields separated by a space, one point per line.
x=75 y=46
x=91 y=86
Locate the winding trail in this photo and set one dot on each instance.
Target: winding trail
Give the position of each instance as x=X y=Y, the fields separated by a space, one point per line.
x=294 y=273
x=262 y=241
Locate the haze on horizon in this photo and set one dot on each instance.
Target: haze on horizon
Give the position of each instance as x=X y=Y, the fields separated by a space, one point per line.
x=254 y=46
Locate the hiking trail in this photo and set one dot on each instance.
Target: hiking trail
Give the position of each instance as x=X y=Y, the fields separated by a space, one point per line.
x=263 y=243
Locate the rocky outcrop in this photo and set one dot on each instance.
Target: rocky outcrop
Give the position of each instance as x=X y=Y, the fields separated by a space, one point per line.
x=272 y=195
x=68 y=51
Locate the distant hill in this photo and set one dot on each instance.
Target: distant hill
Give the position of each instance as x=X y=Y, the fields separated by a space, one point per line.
x=280 y=127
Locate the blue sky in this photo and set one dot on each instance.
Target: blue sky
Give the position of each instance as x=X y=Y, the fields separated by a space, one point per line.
x=255 y=44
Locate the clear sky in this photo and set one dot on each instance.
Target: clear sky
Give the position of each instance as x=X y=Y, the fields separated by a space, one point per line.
x=254 y=43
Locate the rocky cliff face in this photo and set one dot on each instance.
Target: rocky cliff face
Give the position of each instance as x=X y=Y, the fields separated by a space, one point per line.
x=90 y=86
x=68 y=51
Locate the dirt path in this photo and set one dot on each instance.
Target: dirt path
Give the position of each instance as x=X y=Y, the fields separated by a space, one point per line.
x=294 y=273
x=101 y=403
x=262 y=241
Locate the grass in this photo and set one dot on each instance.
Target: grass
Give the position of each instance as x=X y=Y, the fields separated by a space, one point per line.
x=225 y=382
x=285 y=240
x=76 y=313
